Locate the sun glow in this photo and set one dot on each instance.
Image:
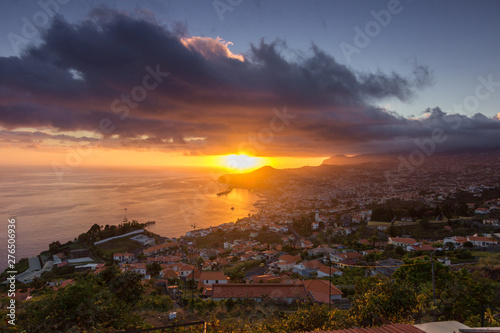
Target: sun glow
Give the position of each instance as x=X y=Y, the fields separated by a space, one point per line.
x=242 y=162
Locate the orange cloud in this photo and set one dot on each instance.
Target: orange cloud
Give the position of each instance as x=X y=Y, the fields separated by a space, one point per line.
x=211 y=48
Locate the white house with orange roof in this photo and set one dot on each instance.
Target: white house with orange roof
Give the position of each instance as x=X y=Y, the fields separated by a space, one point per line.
x=136 y=267
x=325 y=271
x=123 y=256
x=182 y=269
x=286 y=262
x=481 y=241
x=401 y=241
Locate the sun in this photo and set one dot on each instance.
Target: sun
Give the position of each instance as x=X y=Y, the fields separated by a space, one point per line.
x=242 y=162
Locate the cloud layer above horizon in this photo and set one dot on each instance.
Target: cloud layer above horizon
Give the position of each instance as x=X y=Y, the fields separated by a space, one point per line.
x=113 y=66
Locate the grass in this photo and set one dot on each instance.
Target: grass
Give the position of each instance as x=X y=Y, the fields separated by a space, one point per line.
x=483 y=254
x=123 y=244
x=77 y=245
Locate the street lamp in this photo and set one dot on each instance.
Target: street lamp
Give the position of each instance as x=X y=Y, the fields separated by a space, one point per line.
x=433 y=284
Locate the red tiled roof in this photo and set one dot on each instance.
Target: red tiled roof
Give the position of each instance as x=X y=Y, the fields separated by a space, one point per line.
x=423 y=247
x=480 y=239
x=312 y=264
x=326 y=270
x=287 y=257
x=319 y=290
x=350 y=255
x=159 y=247
x=403 y=240
x=392 y=328
x=257 y=290
x=170 y=273
x=213 y=276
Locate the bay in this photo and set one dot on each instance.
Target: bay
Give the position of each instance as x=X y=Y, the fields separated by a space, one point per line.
x=47 y=208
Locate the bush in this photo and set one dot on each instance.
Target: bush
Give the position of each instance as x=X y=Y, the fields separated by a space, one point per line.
x=157 y=302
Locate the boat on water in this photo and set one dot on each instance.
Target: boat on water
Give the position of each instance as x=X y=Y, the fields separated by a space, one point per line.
x=226 y=192
x=149 y=223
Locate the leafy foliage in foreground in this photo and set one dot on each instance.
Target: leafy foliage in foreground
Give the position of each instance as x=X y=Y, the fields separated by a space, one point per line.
x=90 y=304
x=112 y=301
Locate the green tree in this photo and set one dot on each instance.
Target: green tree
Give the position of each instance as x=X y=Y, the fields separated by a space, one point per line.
x=396 y=302
x=87 y=305
x=127 y=287
x=54 y=247
x=153 y=269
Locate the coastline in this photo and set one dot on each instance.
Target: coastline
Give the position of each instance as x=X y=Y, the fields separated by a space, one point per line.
x=47 y=210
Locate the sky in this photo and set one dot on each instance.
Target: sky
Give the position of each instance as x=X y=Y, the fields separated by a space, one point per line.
x=200 y=82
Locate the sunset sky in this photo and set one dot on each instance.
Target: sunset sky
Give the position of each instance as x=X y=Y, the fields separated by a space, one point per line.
x=291 y=82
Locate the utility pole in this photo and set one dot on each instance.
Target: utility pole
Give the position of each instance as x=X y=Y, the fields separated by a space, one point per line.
x=329 y=286
x=433 y=283
x=192 y=286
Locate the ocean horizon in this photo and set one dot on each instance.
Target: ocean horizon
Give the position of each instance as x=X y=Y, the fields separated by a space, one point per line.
x=48 y=208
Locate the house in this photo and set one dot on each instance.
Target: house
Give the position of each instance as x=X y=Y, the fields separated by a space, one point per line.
x=277 y=291
x=321 y=250
x=491 y=221
x=456 y=241
x=401 y=241
x=99 y=268
x=338 y=257
x=198 y=233
x=347 y=263
x=325 y=271
x=118 y=256
x=306 y=244
x=481 y=241
x=364 y=241
x=306 y=268
x=210 y=278
x=367 y=252
x=182 y=269
x=315 y=225
x=164 y=259
x=144 y=240
x=286 y=262
x=420 y=247
x=169 y=274
x=136 y=267
x=127 y=256
x=62 y=284
x=482 y=211
x=322 y=291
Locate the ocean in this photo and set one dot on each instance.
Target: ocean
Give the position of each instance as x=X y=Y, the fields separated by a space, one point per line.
x=47 y=209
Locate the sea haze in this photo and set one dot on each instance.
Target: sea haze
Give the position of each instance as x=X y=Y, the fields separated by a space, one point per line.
x=47 y=209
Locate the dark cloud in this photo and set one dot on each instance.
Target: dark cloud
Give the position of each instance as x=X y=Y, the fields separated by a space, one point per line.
x=213 y=101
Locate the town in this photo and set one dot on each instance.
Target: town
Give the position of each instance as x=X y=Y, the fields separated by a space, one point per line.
x=319 y=233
